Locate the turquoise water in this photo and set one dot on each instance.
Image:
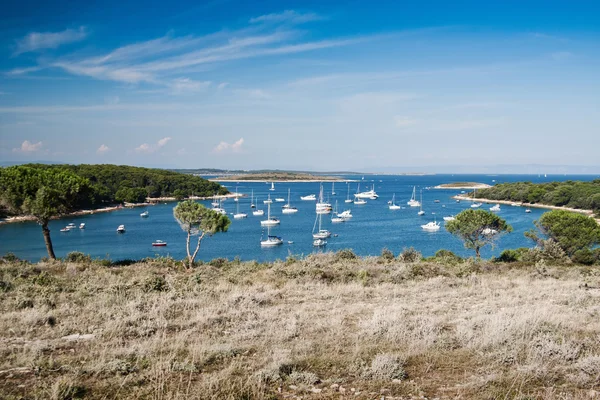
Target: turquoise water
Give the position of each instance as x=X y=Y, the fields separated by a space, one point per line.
x=373 y=227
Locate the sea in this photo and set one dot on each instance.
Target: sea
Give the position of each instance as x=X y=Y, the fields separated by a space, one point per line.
x=374 y=226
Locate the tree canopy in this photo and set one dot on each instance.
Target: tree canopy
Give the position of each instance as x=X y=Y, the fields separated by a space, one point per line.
x=572 y=231
x=197 y=220
x=477 y=228
x=574 y=194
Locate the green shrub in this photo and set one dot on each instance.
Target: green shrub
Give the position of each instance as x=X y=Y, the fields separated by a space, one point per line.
x=508 y=256
x=410 y=255
x=345 y=254
x=584 y=256
x=78 y=257
x=10 y=257
x=387 y=255
x=447 y=256
x=156 y=284
x=219 y=262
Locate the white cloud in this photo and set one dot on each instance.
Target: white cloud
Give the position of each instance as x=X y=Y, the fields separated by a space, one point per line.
x=183 y=85
x=404 y=122
x=286 y=16
x=235 y=147
x=28 y=147
x=49 y=40
x=222 y=85
x=147 y=148
x=103 y=149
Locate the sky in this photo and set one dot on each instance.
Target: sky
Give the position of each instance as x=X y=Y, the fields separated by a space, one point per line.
x=388 y=86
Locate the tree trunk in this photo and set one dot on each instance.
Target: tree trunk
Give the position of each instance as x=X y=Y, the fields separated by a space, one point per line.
x=187 y=247
x=477 y=252
x=197 y=249
x=48 y=240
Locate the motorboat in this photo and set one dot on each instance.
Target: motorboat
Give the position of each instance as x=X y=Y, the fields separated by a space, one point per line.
x=489 y=231
x=319 y=242
x=145 y=214
x=476 y=205
x=65 y=230
x=371 y=194
x=449 y=218
x=310 y=197
x=337 y=218
x=159 y=243
x=121 y=229
x=495 y=208
x=279 y=199
x=82 y=225
x=270 y=221
x=287 y=208
x=432 y=226
x=413 y=202
x=392 y=204
x=360 y=202
x=347 y=214
x=71 y=226
x=527 y=210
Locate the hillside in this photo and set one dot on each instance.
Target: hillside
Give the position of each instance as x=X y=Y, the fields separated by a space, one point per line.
x=327 y=327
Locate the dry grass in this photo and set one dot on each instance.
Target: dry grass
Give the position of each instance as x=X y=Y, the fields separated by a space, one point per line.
x=323 y=327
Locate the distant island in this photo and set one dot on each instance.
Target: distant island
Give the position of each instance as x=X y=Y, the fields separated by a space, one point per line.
x=463 y=185
x=278 y=177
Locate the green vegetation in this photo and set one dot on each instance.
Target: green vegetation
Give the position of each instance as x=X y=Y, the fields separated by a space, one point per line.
x=197 y=220
x=460 y=185
x=573 y=194
x=43 y=193
x=477 y=228
x=110 y=184
x=327 y=326
x=572 y=231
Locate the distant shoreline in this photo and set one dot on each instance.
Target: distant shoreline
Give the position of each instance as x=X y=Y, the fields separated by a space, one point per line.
x=463 y=185
x=329 y=180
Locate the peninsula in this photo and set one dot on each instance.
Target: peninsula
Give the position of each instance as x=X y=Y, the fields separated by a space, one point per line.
x=462 y=185
x=278 y=177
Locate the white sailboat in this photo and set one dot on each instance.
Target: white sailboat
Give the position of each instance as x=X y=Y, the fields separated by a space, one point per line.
x=310 y=197
x=268 y=200
x=271 y=240
x=371 y=194
x=236 y=195
x=321 y=233
x=449 y=218
x=476 y=205
x=252 y=205
x=358 y=200
x=348 y=199
x=270 y=221
x=288 y=209
x=257 y=212
x=218 y=208
x=238 y=214
x=337 y=218
x=413 y=202
x=421 y=212
x=393 y=205
x=272 y=186
x=215 y=202
x=322 y=207
x=333 y=189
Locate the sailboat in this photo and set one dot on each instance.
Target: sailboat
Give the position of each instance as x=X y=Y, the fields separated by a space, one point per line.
x=272 y=186
x=236 y=195
x=268 y=200
x=215 y=203
x=348 y=199
x=252 y=205
x=218 y=208
x=238 y=214
x=333 y=189
x=288 y=209
x=258 y=212
x=371 y=194
x=271 y=240
x=413 y=202
x=421 y=212
x=322 y=207
x=321 y=233
x=337 y=218
x=270 y=221
x=393 y=205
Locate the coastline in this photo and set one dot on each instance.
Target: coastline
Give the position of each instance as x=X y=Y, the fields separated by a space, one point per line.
x=150 y=201
x=283 y=181
x=589 y=213
x=472 y=187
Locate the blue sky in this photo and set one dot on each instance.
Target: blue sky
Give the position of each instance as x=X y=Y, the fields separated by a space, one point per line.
x=356 y=85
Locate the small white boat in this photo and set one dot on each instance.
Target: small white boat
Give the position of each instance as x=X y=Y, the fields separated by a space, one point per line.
x=238 y=214
x=371 y=194
x=258 y=212
x=65 y=230
x=345 y=214
x=146 y=213
x=432 y=226
x=159 y=243
x=421 y=212
x=337 y=218
x=268 y=200
x=489 y=231
x=272 y=186
x=279 y=199
x=121 y=229
x=71 y=226
x=319 y=242
x=392 y=203
x=514 y=204
x=476 y=205
x=219 y=210
x=321 y=233
x=271 y=241
x=288 y=209
x=360 y=202
x=528 y=210
x=82 y=225
x=290 y=242
x=413 y=202
x=270 y=221
x=252 y=200
x=495 y=208
x=449 y=218
x=310 y=197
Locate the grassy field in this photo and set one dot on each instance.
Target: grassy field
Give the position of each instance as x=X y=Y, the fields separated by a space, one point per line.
x=329 y=326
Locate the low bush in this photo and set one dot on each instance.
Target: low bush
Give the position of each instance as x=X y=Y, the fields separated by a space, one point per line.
x=78 y=257
x=410 y=255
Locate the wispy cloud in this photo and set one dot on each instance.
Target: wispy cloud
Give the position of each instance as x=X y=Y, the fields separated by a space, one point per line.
x=286 y=16
x=28 y=147
x=103 y=149
x=148 y=148
x=186 y=85
x=35 y=41
x=234 y=147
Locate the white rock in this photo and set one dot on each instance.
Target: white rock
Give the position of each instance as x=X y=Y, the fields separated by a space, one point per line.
x=77 y=336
